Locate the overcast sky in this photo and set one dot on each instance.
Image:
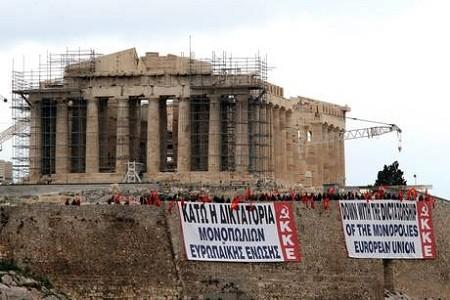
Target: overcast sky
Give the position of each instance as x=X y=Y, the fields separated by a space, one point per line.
x=388 y=60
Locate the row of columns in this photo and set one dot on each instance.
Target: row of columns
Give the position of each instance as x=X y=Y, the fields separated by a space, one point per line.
x=92 y=159
x=285 y=146
x=325 y=154
x=62 y=150
x=279 y=150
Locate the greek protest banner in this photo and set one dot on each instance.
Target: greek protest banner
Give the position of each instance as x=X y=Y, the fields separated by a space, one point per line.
x=263 y=232
x=388 y=229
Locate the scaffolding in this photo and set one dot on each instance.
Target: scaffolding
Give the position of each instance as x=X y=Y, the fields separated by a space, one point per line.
x=47 y=73
x=21 y=116
x=227 y=132
x=239 y=83
x=199 y=133
x=232 y=77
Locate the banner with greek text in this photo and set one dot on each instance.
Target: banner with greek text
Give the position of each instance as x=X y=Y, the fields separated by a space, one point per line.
x=262 y=232
x=388 y=229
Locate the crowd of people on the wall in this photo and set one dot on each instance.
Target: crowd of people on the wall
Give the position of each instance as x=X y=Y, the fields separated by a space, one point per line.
x=309 y=200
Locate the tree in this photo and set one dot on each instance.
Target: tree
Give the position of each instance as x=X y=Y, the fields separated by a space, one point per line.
x=390 y=175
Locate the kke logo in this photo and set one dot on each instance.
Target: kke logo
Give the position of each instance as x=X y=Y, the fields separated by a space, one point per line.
x=426 y=231
x=287 y=232
x=284 y=213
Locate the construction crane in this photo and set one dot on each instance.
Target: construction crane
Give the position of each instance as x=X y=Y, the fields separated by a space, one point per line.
x=370 y=132
x=11 y=131
x=367 y=132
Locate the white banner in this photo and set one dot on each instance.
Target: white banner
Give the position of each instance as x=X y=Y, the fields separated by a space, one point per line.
x=263 y=232
x=388 y=229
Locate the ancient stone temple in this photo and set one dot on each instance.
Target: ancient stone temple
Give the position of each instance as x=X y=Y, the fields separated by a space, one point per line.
x=180 y=119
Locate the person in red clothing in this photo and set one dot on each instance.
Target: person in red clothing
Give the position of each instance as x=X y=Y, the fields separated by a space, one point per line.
x=151 y=198
x=204 y=198
x=248 y=193
x=380 y=192
x=411 y=194
x=326 y=201
x=367 y=196
x=155 y=199
x=171 y=206
x=313 y=202
x=429 y=200
x=305 y=199
x=400 y=195
x=116 y=198
x=235 y=203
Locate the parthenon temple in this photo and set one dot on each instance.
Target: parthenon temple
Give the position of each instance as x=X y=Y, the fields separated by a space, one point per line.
x=179 y=119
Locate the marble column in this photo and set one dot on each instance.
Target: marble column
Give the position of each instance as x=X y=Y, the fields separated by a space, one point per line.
x=62 y=138
x=92 y=136
x=175 y=130
x=310 y=156
x=214 y=134
x=341 y=158
x=334 y=155
x=153 y=137
x=184 y=135
x=35 y=142
x=270 y=146
x=300 y=155
x=327 y=154
x=283 y=144
x=290 y=136
x=276 y=142
x=263 y=139
x=257 y=143
x=122 y=135
x=241 y=121
x=317 y=140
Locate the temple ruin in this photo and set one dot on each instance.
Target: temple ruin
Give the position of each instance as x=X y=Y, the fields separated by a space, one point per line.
x=175 y=118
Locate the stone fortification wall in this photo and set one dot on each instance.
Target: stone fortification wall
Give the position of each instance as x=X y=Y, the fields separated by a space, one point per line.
x=100 y=251
x=428 y=279
x=92 y=251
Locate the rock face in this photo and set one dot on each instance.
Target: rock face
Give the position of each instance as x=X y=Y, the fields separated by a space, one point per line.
x=18 y=286
x=136 y=252
x=388 y=295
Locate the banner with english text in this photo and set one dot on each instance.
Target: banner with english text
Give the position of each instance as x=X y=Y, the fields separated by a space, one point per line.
x=391 y=229
x=262 y=232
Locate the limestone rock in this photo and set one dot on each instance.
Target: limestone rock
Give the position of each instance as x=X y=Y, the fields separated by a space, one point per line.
x=16 y=292
x=395 y=295
x=15 y=285
x=8 y=280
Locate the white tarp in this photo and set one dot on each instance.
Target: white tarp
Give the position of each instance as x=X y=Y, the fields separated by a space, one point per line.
x=262 y=232
x=388 y=229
